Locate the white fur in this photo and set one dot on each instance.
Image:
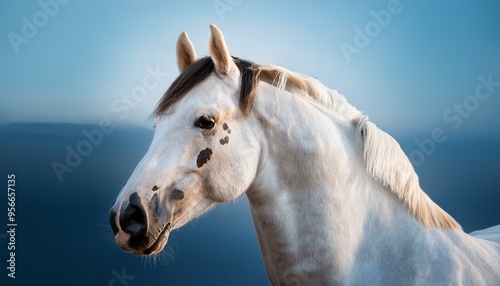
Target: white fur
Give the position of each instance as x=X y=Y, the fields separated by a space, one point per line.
x=323 y=218
x=333 y=199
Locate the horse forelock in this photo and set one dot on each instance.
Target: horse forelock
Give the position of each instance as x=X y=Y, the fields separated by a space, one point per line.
x=190 y=77
x=198 y=71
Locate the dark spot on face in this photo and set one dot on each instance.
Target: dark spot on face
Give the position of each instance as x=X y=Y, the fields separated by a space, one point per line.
x=155 y=188
x=203 y=157
x=177 y=195
x=226 y=128
x=224 y=141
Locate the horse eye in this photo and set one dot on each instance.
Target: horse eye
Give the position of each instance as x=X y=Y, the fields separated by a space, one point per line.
x=205 y=122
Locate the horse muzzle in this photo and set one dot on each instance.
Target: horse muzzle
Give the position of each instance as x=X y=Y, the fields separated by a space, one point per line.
x=139 y=228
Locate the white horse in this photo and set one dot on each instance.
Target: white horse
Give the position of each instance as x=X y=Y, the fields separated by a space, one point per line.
x=334 y=199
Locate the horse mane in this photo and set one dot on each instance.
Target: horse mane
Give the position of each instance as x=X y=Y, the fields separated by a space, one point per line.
x=388 y=164
x=385 y=160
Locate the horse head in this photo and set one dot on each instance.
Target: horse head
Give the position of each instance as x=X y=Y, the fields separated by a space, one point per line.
x=203 y=151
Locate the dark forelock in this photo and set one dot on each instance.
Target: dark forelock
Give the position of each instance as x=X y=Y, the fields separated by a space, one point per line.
x=198 y=72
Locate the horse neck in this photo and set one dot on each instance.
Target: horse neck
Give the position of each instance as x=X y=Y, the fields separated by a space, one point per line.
x=313 y=203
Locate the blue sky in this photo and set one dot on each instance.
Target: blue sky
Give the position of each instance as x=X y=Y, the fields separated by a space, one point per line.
x=85 y=58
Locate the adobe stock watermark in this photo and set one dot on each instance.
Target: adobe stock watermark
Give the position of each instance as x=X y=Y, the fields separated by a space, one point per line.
x=94 y=137
x=31 y=26
x=223 y=6
x=120 y=278
x=454 y=116
x=362 y=37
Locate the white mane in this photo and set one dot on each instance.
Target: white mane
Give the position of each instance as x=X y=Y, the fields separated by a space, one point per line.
x=305 y=85
x=384 y=158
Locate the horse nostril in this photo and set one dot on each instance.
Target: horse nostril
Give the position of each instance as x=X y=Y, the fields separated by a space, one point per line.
x=134 y=218
x=112 y=221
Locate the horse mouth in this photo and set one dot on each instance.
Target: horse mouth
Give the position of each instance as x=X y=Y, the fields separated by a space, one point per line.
x=160 y=242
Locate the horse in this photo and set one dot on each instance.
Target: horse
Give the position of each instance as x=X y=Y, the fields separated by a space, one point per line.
x=334 y=199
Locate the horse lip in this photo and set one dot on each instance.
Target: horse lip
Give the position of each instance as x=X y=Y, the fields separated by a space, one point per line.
x=160 y=241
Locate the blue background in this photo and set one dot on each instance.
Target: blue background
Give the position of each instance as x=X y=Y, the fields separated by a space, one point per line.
x=81 y=61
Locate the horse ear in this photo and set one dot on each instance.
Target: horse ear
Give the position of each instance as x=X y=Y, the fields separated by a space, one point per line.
x=218 y=51
x=186 y=55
